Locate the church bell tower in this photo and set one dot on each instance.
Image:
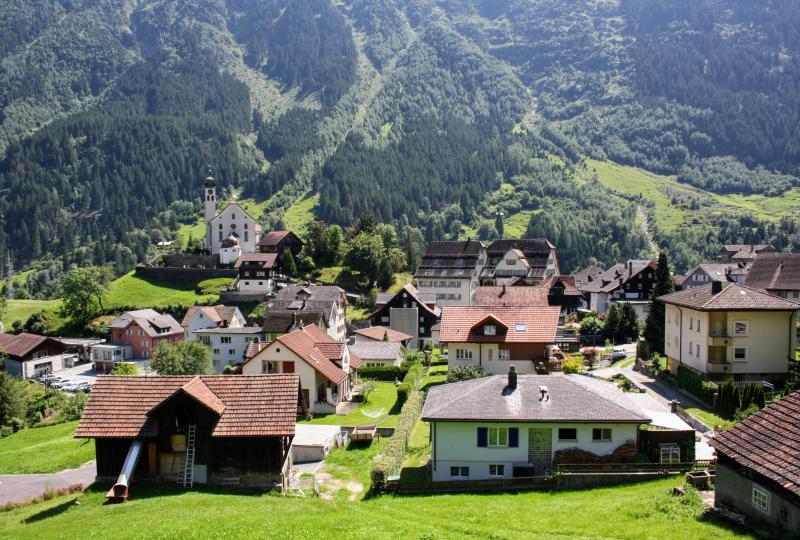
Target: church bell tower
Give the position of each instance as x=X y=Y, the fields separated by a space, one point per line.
x=210 y=197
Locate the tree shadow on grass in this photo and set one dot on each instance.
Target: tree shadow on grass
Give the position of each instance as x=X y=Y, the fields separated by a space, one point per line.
x=51 y=512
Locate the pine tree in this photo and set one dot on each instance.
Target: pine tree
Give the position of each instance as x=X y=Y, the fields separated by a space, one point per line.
x=288 y=265
x=385 y=277
x=611 y=325
x=629 y=326
x=654 y=324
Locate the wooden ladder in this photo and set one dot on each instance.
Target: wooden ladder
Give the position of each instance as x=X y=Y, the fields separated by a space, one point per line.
x=186 y=476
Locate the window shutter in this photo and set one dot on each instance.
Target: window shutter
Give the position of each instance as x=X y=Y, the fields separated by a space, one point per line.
x=483 y=437
x=513 y=437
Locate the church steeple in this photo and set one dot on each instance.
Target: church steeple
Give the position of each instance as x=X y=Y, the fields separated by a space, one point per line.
x=210 y=196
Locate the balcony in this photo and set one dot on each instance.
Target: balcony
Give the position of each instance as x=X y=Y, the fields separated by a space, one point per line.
x=719 y=339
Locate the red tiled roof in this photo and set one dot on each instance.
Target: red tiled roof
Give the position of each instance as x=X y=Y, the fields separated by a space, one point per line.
x=251 y=406
x=215 y=314
x=355 y=360
x=315 y=347
x=511 y=296
x=267 y=260
x=20 y=345
x=273 y=238
x=525 y=324
x=767 y=442
x=377 y=333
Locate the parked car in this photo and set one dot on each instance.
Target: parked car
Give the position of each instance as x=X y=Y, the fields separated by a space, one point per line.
x=71 y=387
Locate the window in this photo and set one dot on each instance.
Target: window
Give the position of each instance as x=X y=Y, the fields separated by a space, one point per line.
x=521 y=327
x=489 y=330
x=205 y=340
x=698 y=350
x=741 y=328
x=504 y=354
x=691 y=323
x=761 y=499
x=463 y=354
x=490 y=354
x=670 y=453
x=220 y=227
x=498 y=436
x=144 y=344
x=511 y=262
x=216 y=351
x=225 y=339
x=497 y=470
x=601 y=434
x=567 y=434
x=740 y=354
x=459 y=472
x=385 y=319
x=245 y=235
x=698 y=325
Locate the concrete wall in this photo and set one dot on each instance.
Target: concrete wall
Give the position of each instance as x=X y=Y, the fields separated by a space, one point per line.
x=166 y=274
x=735 y=491
x=456 y=444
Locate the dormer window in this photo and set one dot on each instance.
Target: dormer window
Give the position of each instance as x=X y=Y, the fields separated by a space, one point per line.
x=459 y=262
x=435 y=262
x=511 y=262
x=489 y=330
x=521 y=327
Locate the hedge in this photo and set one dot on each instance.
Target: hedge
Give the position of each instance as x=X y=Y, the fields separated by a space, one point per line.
x=389 y=373
x=390 y=461
x=410 y=382
x=696 y=384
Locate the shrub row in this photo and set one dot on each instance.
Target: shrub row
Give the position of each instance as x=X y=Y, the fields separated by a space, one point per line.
x=390 y=461
x=696 y=384
x=410 y=382
x=389 y=373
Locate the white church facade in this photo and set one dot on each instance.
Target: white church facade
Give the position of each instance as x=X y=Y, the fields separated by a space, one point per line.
x=230 y=232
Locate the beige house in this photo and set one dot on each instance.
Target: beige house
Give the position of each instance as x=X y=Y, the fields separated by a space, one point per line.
x=727 y=330
x=324 y=365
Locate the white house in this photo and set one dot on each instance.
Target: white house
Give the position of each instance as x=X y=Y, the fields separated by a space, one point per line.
x=228 y=345
x=449 y=271
x=201 y=317
x=727 y=330
x=514 y=425
x=232 y=221
x=323 y=364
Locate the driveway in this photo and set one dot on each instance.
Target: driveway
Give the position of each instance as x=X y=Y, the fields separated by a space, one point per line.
x=23 y=487
x=86 y=373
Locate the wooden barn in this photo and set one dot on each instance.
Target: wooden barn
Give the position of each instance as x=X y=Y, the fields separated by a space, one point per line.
x=222 y=430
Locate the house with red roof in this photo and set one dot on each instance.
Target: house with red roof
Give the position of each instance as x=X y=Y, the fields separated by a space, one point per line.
x=279 y=241
x=324 y=365
x=221 y=430
x=494 y=337
x=143 y=330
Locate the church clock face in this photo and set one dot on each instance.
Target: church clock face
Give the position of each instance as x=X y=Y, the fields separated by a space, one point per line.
x=210 y=191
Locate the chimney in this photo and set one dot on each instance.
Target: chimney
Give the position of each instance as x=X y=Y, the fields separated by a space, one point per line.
x=716 y=287
x=294 y=319
x=512 y=377
x=502 y=294
x=630 y=267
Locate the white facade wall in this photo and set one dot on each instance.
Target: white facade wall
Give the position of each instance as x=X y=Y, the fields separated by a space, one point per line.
x=224 y=354
x=256 y=286
x=456 y=444
x=598 y=302
x=232 y=220
x=199 y=321
x=450 y=291
x=486 y=356
x=770 y=341
x=310 y=378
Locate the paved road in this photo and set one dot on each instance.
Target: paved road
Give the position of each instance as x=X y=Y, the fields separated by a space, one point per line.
x=23 y=487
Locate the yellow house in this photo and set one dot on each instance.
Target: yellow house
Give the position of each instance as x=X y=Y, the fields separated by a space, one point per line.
x=727 y=330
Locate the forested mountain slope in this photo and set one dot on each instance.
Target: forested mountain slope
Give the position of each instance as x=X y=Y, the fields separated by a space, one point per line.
x=416 y=111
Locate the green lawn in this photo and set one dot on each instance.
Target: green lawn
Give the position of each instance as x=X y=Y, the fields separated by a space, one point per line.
x=646 y=510
x=634 y=181
x=436 y=375
x=418 y=454
x=300 y=215
x=345 y=474
x=20 y=310
x=44 y=450
x=131 y=290
x=709 y=418
x=381 y=403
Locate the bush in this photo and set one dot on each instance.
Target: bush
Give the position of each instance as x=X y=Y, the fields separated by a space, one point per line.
x=465 y=373
x=410 y=382
x=696 y=384
x=390 y=461
x=572 y=365
x=389 y=373
x=729 y=400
